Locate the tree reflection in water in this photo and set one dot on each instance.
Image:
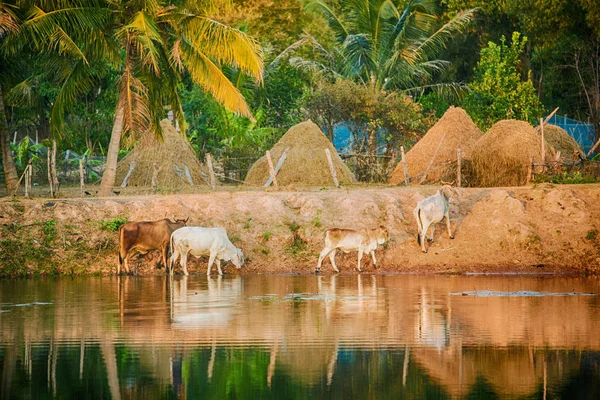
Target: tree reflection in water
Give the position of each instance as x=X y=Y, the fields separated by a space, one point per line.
x=360 y=336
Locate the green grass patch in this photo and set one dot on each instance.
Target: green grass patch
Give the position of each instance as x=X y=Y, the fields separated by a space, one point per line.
x=113 y=224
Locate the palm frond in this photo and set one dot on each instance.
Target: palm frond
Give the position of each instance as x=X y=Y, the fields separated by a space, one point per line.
x=143 y=32
x=9 y=22
x=224 y=44
x=451 y=92
x=134 y=94
x=206 y=74
x=357 y=50
x=434 y=44
x=336 y=25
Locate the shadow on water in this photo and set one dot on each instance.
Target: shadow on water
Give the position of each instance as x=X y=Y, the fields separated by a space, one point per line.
x=300 y=336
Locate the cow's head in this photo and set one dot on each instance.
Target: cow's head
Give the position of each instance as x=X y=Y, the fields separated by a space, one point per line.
x=180 y=222
x=383 y=235
x=448 y=191
x=238 y=258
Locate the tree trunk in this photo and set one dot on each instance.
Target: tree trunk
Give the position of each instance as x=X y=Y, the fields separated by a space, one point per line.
x=8 y=163
x=110 y=173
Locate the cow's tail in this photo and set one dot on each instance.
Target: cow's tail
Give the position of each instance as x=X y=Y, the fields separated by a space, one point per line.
x=420 y=224
x=171 y=262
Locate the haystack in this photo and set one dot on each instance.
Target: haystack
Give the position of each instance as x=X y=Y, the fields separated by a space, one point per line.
x=174 y=155
x=306 y=162
x=561 y=141
x=502 y=157
x=453 y=131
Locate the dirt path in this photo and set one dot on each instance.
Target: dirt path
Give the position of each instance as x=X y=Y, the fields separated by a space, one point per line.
x=542 y=229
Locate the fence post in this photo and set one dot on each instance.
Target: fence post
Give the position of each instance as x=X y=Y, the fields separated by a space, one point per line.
x=81 y=177
x=155 y=176
x=404 y=165
x=458 y=167
x=272 y=170
x=543 y=142
x=50 y=173
x=55 y=184
x=332 y=168
x=530 y=171
x=211 y=171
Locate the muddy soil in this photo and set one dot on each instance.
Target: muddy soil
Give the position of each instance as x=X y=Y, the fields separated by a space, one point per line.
x=545 y=228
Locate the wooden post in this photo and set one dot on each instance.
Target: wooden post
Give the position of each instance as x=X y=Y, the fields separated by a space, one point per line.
x=131 y=167
x=81 y=177
x=272 y=170
x=27 y=181
x=28 y=189
x=277 y=167
x=404 y=165
x=543 y=142
x=50 y=173
x=211 y=172
x=155 y=176
x=53 y=165
x=547 y=119
x=458 y=167
x=530 y=171
x=432 y=159
x=332 y=168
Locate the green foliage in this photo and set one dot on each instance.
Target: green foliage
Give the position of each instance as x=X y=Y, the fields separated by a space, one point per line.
x=499 y=88
x=298 y=245
x=113 y=224
x=566 y=178
x=433 y=103
x=592 y=235
x=317 y=220
x=49 y=230
x=247 y=223
x=266 y=236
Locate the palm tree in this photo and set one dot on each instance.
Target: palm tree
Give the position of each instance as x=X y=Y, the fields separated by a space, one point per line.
x=8 y=24
x=150 y=43
x=384 y=46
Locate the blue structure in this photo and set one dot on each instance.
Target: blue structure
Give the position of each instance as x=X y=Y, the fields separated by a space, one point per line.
x=344 y=139
x=582 y=132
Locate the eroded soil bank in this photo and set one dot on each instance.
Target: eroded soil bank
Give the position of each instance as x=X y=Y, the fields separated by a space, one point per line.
x=541 y=229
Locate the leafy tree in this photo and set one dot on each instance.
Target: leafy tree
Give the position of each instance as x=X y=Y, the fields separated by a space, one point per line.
x=390 y=116
x=8 y=24
x=150 y=44
x=386 y=44
x=499 y=90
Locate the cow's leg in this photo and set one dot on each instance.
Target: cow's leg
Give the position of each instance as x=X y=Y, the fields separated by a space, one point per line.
x=360 y=254
x=432 y=233
x=332 y=259
x=448 y=225
x=184 y=256
x=219 y=266
x=174 y=257
x=323 y=254
x=163 y=254
x=211 y=260
x=126 y=264
x=423 y=235
x=374 y=259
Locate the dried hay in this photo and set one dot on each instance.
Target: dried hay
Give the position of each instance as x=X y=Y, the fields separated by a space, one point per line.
x=502 y=157
x=172 y=154
x=561 y=141
x=454 y=130
x=305 y=163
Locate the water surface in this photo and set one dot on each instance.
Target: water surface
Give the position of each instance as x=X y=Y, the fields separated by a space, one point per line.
x=288 y=337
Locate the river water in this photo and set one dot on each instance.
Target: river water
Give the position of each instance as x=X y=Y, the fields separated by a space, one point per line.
x=288 y=337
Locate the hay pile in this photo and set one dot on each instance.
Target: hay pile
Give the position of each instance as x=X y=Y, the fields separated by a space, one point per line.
x=172 y=154
x=305 y=163
x=561 y=141
x=502 y=157
x=457 y=130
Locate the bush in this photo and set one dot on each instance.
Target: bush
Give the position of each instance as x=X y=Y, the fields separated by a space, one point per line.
x=112 y=225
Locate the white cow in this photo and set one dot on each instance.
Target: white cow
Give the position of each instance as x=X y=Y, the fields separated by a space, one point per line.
x=363 y=241
x=432 y=210
x=198 y=241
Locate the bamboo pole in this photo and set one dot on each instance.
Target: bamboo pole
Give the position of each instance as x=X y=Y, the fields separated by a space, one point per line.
x=277 y=167
x=81 y=177
x=53 y=165
x=131 y=167
x=272 y=170
x=543 y=142
x=547 y=119
x=530 y=171
x=50 y=174
x=406 y=181
x=211 y=171
x=155 y=176
x=459 y=168
x=332 y=168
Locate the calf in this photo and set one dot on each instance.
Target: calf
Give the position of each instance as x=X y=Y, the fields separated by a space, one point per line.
x=145 y=236
x=432 y=210
x=346 y=240
x=198 y=241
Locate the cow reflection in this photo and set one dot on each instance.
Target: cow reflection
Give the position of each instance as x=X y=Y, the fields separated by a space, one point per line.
x=433 y=323
x=205 y=303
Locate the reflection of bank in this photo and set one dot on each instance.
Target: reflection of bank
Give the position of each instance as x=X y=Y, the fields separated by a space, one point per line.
x=196 y=306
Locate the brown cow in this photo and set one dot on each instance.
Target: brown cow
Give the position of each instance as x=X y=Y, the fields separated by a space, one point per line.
x=146 y=235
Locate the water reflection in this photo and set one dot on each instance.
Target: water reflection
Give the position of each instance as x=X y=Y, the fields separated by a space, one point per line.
x=273 y=336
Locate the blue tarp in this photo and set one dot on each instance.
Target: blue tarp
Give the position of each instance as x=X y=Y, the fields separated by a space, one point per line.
x=582 y=132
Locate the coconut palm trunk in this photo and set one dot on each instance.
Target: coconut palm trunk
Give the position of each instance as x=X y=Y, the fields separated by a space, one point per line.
x=8 y=163
x=110 y=172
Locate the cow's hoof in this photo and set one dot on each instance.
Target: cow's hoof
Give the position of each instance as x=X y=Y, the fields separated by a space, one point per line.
x=451 y=236
x=316 y=271
x=425 y=251
x=429 y=240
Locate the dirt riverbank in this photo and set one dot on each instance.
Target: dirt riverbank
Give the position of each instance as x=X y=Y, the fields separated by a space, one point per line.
x=527 y=229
